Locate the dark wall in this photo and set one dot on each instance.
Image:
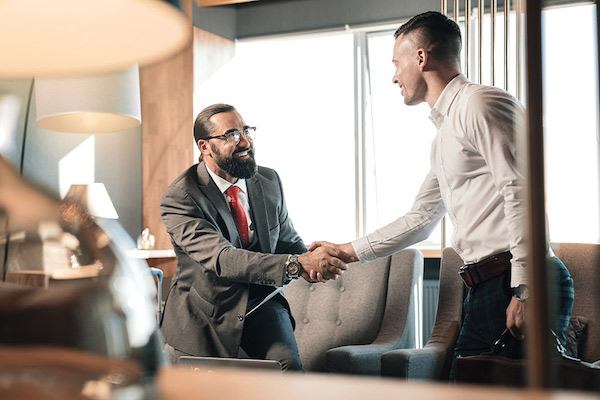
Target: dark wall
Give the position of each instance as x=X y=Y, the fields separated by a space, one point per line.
x=268 y=17
x=272 y=17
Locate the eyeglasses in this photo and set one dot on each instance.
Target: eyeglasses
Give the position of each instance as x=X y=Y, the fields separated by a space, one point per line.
x=233 y=136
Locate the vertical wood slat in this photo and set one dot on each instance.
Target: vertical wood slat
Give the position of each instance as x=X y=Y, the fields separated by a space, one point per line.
x=167 y=96
x=467 y=34
x=518 y=47
x=444 y=10
x=481 y=11
x=537 y=306
x=493 y=8
x=506 y=39
x=455 y=10
x=598 y=72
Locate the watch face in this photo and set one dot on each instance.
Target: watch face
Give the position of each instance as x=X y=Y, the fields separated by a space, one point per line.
x=521 y=292
x=293 y=268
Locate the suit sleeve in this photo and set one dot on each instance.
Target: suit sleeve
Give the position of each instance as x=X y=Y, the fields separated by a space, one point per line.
x=198 y=236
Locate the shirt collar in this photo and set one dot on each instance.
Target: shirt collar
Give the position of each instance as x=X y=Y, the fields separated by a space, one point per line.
x=223 y=184
x=443 y=103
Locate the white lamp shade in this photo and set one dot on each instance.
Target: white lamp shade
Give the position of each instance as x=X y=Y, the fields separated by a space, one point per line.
x=89 y=104
x=95 y=198
x=74 y=37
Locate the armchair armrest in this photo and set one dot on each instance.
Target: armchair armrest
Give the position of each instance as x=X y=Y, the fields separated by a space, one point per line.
x=431 y=363
x=359 y=359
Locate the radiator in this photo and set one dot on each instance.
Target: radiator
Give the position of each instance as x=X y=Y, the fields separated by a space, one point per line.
x=431 y=290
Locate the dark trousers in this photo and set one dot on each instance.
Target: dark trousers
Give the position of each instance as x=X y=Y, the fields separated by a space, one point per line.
x=485 y=307
x=269 y=335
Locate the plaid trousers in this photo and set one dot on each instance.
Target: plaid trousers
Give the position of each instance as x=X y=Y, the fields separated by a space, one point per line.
x=484 y=313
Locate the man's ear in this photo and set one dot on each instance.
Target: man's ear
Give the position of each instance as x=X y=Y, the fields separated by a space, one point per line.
x=204 y=147
x=422 y=58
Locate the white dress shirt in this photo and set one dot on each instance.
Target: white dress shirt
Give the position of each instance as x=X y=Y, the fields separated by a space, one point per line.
x=223 y=185
x=473 y=177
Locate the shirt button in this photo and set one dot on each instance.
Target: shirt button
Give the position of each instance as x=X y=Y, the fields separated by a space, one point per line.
x=342 y=289
x=240 y=317
x=311 y=288
x=338 y=322
x=305 y=320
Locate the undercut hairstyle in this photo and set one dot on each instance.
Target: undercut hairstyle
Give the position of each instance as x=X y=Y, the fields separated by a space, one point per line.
x=203 y=128
x=435 y=33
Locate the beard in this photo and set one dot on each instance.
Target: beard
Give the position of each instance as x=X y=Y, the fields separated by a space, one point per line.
x=244 y=169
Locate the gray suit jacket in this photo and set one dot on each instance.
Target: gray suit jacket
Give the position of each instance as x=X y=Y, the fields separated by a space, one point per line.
x=204 y=312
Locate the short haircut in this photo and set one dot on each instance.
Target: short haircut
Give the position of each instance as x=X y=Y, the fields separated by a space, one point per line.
x=203 y=128
x=435 y=33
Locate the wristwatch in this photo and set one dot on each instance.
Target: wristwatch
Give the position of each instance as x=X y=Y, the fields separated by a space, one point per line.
x=521 y=292
x=293 y=267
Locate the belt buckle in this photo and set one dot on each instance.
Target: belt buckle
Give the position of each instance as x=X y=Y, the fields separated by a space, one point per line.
x=466 y=276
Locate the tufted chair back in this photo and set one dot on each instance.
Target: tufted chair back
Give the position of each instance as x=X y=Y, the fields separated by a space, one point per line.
x=370 y=309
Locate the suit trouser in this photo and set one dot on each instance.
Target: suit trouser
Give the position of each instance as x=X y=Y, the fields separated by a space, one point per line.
x=269 y=334
x=484 y=313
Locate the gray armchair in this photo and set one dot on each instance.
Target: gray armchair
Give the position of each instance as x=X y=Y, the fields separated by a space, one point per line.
x=344 y=326
x=434 y=360
x=583 y=262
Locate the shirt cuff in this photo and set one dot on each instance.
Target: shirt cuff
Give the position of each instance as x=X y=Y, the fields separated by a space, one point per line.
x=363 y=250
x=518 y=276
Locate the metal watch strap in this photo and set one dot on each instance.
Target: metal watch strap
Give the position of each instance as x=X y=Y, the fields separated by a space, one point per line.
x=292 y=260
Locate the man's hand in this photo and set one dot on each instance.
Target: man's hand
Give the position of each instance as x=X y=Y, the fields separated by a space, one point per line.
x=515 y=318
x=346 y=251
x=322 y=264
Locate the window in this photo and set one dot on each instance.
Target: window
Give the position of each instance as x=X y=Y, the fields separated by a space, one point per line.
x=299 y=93
x=570 y=121
x=398 y=143
x=353 y=160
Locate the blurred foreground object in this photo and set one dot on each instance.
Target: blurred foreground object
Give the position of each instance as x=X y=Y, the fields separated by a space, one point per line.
x=71 y=285
x=58 y=373
x=68 y=283
x=73 y=37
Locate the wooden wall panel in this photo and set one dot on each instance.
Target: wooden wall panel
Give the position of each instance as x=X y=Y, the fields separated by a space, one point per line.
x=168 y=120
x=167 y=141
x=211 y=52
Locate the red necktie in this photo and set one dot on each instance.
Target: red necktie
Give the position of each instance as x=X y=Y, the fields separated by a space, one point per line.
x=239 y=215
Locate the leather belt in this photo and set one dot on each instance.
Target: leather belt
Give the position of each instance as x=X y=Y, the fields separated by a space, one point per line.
x=488 y=268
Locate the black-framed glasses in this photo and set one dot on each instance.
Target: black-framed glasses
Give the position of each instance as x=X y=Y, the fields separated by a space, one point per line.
x=234 y=135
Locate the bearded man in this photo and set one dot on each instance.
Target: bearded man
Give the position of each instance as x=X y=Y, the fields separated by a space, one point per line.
x=235 y=243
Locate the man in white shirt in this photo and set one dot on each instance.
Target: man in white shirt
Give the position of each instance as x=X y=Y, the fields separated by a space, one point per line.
x=473 y=178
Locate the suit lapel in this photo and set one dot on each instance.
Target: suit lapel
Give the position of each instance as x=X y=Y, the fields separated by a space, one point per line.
x=259 y=213
x=214 y=195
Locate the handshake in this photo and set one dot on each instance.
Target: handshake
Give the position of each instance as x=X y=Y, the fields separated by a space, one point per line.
x=326 y=260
